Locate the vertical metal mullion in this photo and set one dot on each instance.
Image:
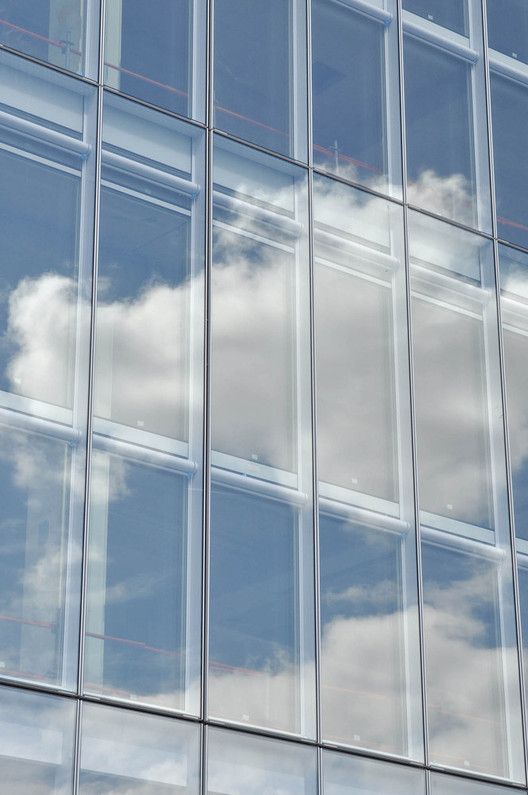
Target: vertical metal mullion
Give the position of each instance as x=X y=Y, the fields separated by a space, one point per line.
x=206 y=390
x=315 y=490
x=487 y=85
x=309 y=89
x=319 y=771
x=414 y=457
x=89 y=420
x=77 y=747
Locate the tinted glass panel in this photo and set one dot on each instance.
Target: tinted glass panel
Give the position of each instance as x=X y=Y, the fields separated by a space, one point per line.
x=126 y=752
x=355 y=94
x=239 y=764
x=143 y=629
x=36 y=741
x=349 y=775
x=365 y=494
x=470 y=636
x=451 y=14
x=46 y=226
x=510 y=120
x=508 y=28
x=57 y=31
x=445 y=107
x=261 y=607
x=150 y=52
x=449 y=785
x=260 y=73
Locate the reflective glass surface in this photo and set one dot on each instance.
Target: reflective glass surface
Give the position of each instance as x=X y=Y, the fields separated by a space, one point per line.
x=445 y=113
x=508 y=28
x=143 y=627
x=151 y=52
x=261 y=631
x=349 y=775
x=470 y=637
x=449 y=785
x=367 y=552
x=451 y=14
x=509 y=97
x=239 y=764
x=125 y=752
x=46 y=228
x=36 y=743
x=62 y=32
x=356 y=110
x=260 y=73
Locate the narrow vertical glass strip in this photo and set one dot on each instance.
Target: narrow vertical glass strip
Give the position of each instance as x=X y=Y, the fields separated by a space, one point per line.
x=128 y=752
x=514 y=314
x=445 y=111
x=260 y=73
x=46 y=226
x=144 y=594
x=155 y=52
x=470 y=632
x=61 y=32
x=344 y=774
x=371 y=685
x=36 y=743
x=261 y=614
x=239 y=764
x=356 y=97
x=508 y=63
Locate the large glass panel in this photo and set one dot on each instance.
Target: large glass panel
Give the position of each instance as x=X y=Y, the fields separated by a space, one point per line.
x=470 y=635
x=367 y=543
x=260 y=73
x=356 y=108
x=156 y=52
x=441 y=784
x=344 y=774
x=36 y=743
x=144 y=585
x=46 y=228
x=445 y=112
x=239 y=764
x=508 y=59
x=261 y=571
x=514 y=310
x=125 y=752
x=62 y=32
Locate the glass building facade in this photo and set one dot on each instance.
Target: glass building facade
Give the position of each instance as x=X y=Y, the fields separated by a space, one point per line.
x=263 y=397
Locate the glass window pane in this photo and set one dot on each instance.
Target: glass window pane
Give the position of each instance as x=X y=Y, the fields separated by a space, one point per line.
x=509 y=99
x=36 y=740
x=344 y=774
x=452 y=14
x=61 y=32
x=508 y=28
x=470 y=635
x=124 y=752
x=260 y=73
x=356 y=111
x=143 y=625
x=445 y=109
x=449 y=785
x=261 y=616
x=367 y=547
x=46 y=227
x=154 y=51
x=239 y=764
x=514 y=312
